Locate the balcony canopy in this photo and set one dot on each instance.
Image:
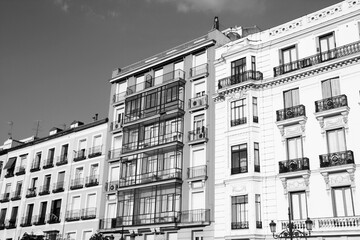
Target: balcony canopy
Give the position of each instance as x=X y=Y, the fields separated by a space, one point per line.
x=10 y=163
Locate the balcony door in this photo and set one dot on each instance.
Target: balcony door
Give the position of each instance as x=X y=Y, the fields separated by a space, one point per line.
x=197 y=202
x=75 y=204
x=298 y=205
x=343 y=202
x=327 y=43
x=198 y=158
x=60 y=180
x=294 y=148
x=42 y=213
x=288 y=56
x=336 y=140
x=238 y=70
x=55 y=210
x=29 y=213
x=291 y=98
x=330 y=88
x=159 y=75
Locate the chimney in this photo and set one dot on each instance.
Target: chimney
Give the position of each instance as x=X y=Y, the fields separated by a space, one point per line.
x=216 y=23
x=95 y=118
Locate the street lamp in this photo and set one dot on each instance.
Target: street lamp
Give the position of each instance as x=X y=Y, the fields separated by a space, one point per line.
x=290 y=232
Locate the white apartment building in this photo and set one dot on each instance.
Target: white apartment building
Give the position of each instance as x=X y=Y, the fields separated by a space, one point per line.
x=51 y=187
x=286 y=127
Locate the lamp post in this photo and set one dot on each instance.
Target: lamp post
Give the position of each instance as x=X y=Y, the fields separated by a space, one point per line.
x=290 y=232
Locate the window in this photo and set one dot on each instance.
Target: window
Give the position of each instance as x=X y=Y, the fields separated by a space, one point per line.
x=71 y=235
x=179 y=65
x=64 y=152
x=47 y=181
x=55 y=210
x=158 y=76
x=2 y=216
x=200 y=59
x=119 y=114
x=258 y=211
x=151 y=100
x=51 y=154
x=139 y=81
x=23 y=160
x=238 y=70
x=75 y=203
x=82 y=148
x=253 y=64
x=291 y=98
x=239 y=159
x=239 y=212
x=18 y=188
x=256 y=157
x=330 y=87
x=255 y=110
x=342 y=202
x=60 y=180
x=79 y=173
x=294 y=148
x=199 y=123
x=197 y=201
x=33 y=183
x=37 y=159
x=94 y=169
x=172 y=94
x=238 y=112
x=29 y=213
x=288 y=55
x=14 y=213
x=336 y=140
x=199 y=89
x=326 y=44
x=298 y=205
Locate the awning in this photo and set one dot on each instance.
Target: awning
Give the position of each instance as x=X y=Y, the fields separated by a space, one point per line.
x=10 y=163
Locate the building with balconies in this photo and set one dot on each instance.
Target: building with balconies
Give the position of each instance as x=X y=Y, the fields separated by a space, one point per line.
x=286 y=126
x=161 y=147
x=52 y=186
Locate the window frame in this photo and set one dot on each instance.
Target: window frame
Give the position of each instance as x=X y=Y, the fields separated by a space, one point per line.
x=291 y=204
x=333 y=197
x=239 y=152
x=238 y=110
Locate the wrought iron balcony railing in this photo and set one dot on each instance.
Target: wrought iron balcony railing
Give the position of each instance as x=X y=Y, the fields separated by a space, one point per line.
x=53 y=218
x=151 y=81
x=151 y=218
x=112 y=185
x=31 y=192
x=79 y=155
x=115 y=125
x=44 y=190
x=72 y=215
x=16 y=195
x=199 y=70
x=77 y=183
x=10 y=173
x=119 y=97
x=195 y=216
x=107 y=223
x=95 y=151
x=62 y=160
x=198 y=102
x=39 y=220
x=198 y=134
x=20 y=170
x=35 y=166
x=236 y=170
x=88 y=213
x=10 y=223
x=198 y=171
x=294 y=165
x=238 y=121
x=114 y=153
x=240 y=225
x=331 y=103
x=48 y=163
x=240 y=78
x=338 y=52
x=5 y=197
x=336 y=159
x=291 y=112
x=92 y=180
x=26 y=221
x=58 y=187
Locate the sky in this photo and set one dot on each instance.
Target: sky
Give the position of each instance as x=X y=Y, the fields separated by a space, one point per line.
x=57 y=56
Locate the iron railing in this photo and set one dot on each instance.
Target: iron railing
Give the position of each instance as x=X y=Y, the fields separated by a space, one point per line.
x=198 y=134
x=53 y=218
x=31 y=192
x=16 y=195
x=331 y=103
x=290 y=112
x=20 y=170
x=48 y=163
x=44 y=190
x=39 y=219
x=62 y=160
x=336 y=159
x=294 y=165
x=240 y=78
x=35 y=166
x=238 y=121
x=5 y=197
x=199 y=70
x=79 y=155
x=88 y=213
x=26 y=221
x=240 y=225
x=236 y=170
x=58 y=187
x=195 y=216
x=92 y=180
x=198 y=171
x=77 y=183
x=10 y=223
x=72 y=215
x=119 y=97
x=115 y=125
x=114 y=153
x=95 y=151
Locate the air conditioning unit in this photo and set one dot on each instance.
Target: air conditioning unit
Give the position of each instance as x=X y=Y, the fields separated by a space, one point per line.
x=113 y=187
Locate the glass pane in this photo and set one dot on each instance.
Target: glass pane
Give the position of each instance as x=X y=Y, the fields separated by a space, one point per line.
x=349 y=202
x=339 y=202
x=295 y=203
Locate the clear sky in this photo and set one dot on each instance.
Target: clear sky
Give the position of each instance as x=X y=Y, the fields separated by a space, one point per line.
x=56 y=56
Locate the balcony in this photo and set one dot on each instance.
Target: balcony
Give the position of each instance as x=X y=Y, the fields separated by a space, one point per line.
x=151 y=82
x=331 y=103
x=73 y=215
x=88 y=213
x=95 y=151
x=39 y=220
x=119 y=97
x=10 y=173
x=241 y=78
x=114 y=154
x=62 y=160
x=199 y=71
x=26 y=221
x=313 y=60
x=92 y=181
x=294 y=165
x=198 y=135
x=10 y=223
x=195 y=217
x=336 y=159
x=116 y=125
x=20 y=170
x=259 y=224
x=166 y=138
x=238 y=121
x=79 y=155
x=53 y=218
x=112 y=186
x=149 y=177
x=44 y=190
x=236 y=170
x=77 y=183
x=107 y=223
x=198 y=172
x=290 y=113
x=58 y=187
x=5 y=197
x=31 y=192
x=35 y=166
x=16 y=195
x=198 y=103
x=151 y=218
x=240 y=225
x=48 y=163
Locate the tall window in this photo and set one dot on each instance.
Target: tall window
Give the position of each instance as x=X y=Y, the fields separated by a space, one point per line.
x=29 y=213
x=258 y=211
x=51 y=154
x=82 y=148
x=256 y=157
x=336 y=140
x=294 y=148
x=330 y=87
x=238 y=70
x=14 y=213
x=239 y=163
x=55 y=210
x=326 y=44
x=199 y=123
x=2 y=215
x=291 y=98
x=255 y=110
x=64 y=152
x=343 y=202
x=239 y=212
x=298 y=205
x=288 y=55
x=238 y=112
x=158 y=75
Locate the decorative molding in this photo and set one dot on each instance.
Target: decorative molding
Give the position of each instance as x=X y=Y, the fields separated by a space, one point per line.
x=352 y=3
x=326 y=179
x=324 y=13
x=285 y=28
x=329 y=120
x=296 y=181
x=339 y=176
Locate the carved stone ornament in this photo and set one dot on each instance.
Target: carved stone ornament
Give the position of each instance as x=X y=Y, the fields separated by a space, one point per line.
x=284 y=183
x=238 y=95
x=326 y=179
